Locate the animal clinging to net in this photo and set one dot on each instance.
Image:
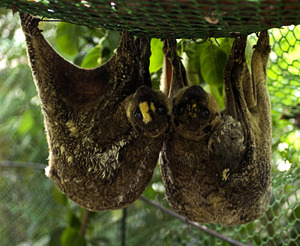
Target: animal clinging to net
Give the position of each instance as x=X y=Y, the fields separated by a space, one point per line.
x=216 y=165
x=104 y=126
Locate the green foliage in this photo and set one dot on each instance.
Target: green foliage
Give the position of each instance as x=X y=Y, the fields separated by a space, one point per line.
x=205 y=63
x=68 y=37
x=102 y=51
x=156 y=59
x=212 y=64
x=92 y=58
x=21 y=123
x=72 y=237
x=59 y=197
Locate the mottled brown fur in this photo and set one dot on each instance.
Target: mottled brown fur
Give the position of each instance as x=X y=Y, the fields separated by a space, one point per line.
x=102 y=151
x=216 y=166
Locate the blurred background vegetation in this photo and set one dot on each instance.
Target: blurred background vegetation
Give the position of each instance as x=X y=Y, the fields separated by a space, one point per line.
x=34 y=212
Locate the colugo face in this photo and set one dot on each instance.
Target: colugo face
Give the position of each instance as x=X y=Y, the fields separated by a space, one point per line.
x=195 y=112
x=149 y=111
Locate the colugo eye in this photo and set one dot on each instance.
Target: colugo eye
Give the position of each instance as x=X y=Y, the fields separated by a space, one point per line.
x=205 y=113
x=138 y=114
x=180 y=109
x=161 y=109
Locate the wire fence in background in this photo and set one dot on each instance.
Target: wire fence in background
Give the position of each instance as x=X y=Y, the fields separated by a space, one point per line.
x=29 y=214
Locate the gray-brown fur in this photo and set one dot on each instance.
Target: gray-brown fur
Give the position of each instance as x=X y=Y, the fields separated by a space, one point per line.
x=216 y=166
x=102 y=150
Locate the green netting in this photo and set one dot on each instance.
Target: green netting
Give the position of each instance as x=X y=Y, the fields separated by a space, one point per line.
x=163 y=18
x=26 y=211
x=30 y=214
x=284 y=69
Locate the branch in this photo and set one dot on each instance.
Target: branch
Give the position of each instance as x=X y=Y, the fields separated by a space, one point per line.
x=22 y=164
x=123 y=227
x=193 y=224
x=85 y=222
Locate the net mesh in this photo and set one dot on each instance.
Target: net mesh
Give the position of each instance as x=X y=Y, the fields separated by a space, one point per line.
x=30 y=215
x=279 y=226
x=165 y=18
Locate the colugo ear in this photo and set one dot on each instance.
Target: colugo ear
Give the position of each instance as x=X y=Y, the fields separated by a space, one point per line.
x=173 y=75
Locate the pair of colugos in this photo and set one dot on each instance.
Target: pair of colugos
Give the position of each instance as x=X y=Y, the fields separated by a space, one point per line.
x=106 y=127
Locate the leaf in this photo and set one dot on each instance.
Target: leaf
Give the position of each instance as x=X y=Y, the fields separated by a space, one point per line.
x=92 y=58
x=26 y=123
x=192 y=74
x=296 y=214
x=116 y=215
x=73 y=220
x=149 y=192
x=108 y=43
x=59 y=197
x=212 y=63
x=216 y=92
x=71 y=237
x=68 y=38
x=226 y=44
x=195 y=61
x=113 y=39
x=156 y=59
x=55 y=237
